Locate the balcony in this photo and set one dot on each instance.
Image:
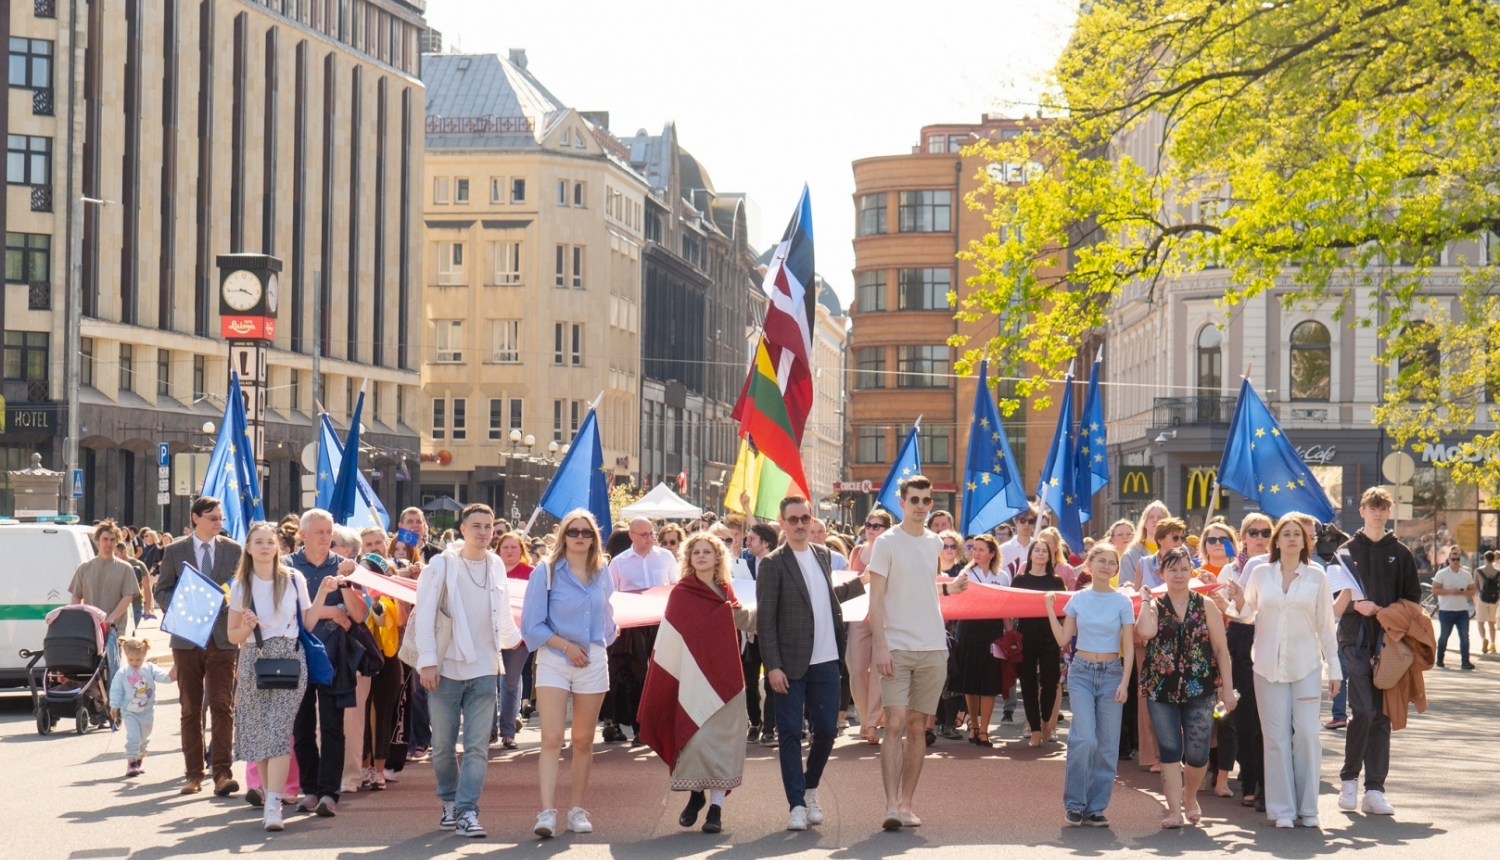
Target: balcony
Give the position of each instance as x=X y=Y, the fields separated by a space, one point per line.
x=41 y=102
x=46 y=8
x=39 y=296
x=38 y=391
x=41 y=198
x=488 y=124
x=1202 y=410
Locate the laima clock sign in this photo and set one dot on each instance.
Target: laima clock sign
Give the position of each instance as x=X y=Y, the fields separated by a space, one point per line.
x=248 y=297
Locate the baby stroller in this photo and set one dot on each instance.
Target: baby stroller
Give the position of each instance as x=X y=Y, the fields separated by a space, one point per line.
x=75 y=677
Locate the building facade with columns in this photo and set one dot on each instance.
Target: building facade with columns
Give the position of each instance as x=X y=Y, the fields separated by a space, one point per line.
x=285 y=127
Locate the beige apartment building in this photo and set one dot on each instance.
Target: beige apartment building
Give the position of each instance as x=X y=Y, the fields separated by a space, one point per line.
x=283 y=127
x=533 y=223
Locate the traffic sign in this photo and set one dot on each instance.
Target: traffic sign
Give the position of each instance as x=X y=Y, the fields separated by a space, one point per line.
x=163 y=455
x=163 y=485
x=77 y=483
x=164 y=498
x=163 y=471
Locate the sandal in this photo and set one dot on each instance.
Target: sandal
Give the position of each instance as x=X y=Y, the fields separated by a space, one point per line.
x=1223 y=791
x=1248 y=800
x=1195 y=816
x=984 y=740
x=1173 y=823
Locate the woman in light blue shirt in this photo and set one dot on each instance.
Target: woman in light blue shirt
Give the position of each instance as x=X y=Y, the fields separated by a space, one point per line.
x=567 y=619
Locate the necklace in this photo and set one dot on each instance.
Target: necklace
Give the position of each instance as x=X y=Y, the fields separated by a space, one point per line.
x=480 y=581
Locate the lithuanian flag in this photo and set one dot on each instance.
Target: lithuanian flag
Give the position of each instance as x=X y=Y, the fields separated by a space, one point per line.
x=764 y=419
x=758 y=478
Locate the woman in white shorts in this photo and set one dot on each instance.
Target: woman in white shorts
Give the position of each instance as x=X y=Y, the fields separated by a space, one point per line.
x=567 y=620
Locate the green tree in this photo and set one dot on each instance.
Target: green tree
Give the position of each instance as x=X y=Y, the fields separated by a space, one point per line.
x=1329 y=148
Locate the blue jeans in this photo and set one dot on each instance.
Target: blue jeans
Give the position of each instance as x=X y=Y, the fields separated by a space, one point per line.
x=1341 y=701
x=472 y=701
x=819 y=690
x=420 y=715
x=514 y=660
x=112 y=653
x=1451 y=619
x=1094 y=737
x=1183 y=731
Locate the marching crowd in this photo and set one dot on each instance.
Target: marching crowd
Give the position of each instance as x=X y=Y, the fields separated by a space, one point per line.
x=1198 y=656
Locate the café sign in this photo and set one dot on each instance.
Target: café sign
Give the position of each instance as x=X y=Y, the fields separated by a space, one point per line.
x=1317 y=455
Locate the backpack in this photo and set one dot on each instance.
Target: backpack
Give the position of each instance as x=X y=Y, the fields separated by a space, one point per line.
x=1489 y=587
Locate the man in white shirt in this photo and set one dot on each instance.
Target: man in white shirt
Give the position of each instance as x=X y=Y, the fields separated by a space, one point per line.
x=1453 y=586
x=1013 y=551
x=911 y=644
x=645 y=565
x=818 y=534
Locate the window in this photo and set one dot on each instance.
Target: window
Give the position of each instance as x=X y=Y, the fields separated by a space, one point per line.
x=576 y=353
x=440 y=189
x=294 y=390
x=871 y=367
x=508 y=263
x=1311 y=362
x=28 y=160
x=562 y=268
x=518 y=191
x=26 y=356
x=497 y=417
x=1210 y=363
x=922 y=367
x=575 y=409
x=505 y=342
x=450 y=341
x=557 y=420
x=497 y=190
x=460 y=418
x=577 y=139
x=450 y=263
x=932 y=442
x=164 y=373
x=871 y=296
x=400 y=404
x=200 y=376
x=562 y=192
x=439 y=418
x=28 y=257
x=349 y=397
x=870 y=447
x=127 y=367
x=872 y=214
x=925 y=289
x=31 y=63
x=516 y=410
x=577 y=267
x=461 y=191
x=86 y=361
x=578 y=192
x=559 y=331
x=925 y=211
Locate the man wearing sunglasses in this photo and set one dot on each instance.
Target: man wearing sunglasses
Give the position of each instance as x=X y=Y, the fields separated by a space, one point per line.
x=1013 y=551
x=1170 y=534
x=645 y=565
x=911 y=644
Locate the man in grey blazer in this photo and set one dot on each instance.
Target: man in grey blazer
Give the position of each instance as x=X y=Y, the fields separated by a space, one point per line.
x=800 y=626
x=212 y=668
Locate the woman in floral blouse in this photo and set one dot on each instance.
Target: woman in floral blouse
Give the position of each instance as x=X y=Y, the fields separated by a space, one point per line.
x=1187 y=660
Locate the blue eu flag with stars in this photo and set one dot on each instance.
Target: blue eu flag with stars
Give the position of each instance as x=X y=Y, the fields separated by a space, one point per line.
x=232 y=476
x=580 y=480
x=1260 y=463
x=1058 y=489
x=992 y=490
x=195 y=605
x=908 y=462
x=1093 y=464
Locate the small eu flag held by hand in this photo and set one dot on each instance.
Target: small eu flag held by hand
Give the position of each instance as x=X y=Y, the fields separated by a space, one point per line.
x=408 y=537
x=195 y=607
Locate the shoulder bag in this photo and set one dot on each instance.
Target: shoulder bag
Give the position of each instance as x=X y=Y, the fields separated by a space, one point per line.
x=408 y=653
x=275 y=673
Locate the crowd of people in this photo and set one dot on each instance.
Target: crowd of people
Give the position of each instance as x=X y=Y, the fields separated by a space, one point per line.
x=1201 y=657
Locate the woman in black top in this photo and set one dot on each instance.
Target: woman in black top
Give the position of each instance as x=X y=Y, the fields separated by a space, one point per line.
x=1041 y=657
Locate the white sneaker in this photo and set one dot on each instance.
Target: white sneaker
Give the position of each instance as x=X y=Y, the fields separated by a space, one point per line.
x=578 y=820
x=1376 y=804
x=272 y=819
x=1349 y=795
x=798 y=818
x=449 y=819
x=814 y=811
x=1284 y=823
x=546 y=823
x=468 y=825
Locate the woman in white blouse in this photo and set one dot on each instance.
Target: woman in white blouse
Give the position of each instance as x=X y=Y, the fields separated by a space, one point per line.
x=1289 y=601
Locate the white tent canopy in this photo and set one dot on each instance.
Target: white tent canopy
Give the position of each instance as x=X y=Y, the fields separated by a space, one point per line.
x=661 y=503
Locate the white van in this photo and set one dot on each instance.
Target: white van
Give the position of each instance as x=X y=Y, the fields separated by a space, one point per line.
x=37 y=561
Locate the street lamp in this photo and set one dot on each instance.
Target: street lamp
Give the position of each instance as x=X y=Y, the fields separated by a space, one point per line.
x=511 y=453
x=75 y=342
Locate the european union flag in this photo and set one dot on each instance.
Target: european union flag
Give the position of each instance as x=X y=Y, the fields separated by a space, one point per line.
x=1058 y=488
x=343 y=503
x=1260 y=463
x=992 y=489
x=232 y=476
x=1093 y=463
x=195 y=606
x=368 y=509
x=580 y=482
x=907 y=463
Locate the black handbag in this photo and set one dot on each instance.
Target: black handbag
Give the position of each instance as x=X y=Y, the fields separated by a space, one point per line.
x=276 y=673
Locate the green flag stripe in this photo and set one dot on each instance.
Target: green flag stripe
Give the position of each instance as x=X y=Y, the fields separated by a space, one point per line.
x=769 y=402
x=26 y=611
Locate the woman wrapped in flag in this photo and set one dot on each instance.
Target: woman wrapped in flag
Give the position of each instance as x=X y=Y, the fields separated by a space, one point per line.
x=692 y=710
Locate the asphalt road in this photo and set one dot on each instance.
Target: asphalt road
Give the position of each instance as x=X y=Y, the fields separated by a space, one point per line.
x=67 y=798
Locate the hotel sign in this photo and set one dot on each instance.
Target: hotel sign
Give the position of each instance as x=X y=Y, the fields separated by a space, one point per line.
x=31 y=418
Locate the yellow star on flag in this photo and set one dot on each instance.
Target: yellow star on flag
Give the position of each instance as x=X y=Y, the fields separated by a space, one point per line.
x=973 y=486
x=1275 y=431
x=1259 y=432
x=984 y=477
x=985 y=423
x=1275 y=488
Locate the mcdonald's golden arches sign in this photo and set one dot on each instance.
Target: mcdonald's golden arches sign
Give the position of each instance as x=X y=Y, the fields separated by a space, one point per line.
x=1200 y=484
x=1137 y=482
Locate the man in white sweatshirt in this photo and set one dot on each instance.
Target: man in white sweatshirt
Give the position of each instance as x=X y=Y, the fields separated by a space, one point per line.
x=458 y=660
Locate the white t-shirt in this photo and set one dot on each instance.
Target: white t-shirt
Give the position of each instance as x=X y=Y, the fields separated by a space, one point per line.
x=1012 y=551
x=275 y=619
x=913 y=616
x=825 y=647
x=475 y=600
x=1458 y=579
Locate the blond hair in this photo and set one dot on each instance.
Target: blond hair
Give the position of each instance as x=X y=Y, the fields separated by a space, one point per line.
x=721 y=558
x=1140 y=527
x=559 y=549
x=245 y=573
x=132 y=647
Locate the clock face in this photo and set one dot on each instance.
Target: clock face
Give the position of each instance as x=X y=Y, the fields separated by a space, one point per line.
x=241 y=290
x=273 y=292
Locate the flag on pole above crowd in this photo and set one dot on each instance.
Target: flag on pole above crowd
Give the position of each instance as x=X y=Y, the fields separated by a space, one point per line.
x=368 y=509
x=760 y=479
x=1260 y=463
x=232 y=477
x=908 y=462
x=1092 y=454
x=580 y=480
x=764 y=419
x=993 y=492
x=351 y=502
x=1057 y=490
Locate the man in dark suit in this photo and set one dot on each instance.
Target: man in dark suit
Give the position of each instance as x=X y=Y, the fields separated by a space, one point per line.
x=212 y=668
x=800 y=626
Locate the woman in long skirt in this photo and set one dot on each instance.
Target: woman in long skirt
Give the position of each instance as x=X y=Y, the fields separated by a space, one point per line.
x=980 y=672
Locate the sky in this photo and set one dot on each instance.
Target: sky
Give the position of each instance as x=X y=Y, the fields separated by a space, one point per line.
x=772 y=94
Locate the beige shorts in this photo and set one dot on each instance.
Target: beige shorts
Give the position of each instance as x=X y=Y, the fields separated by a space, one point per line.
x=1486 y=613
x=918 y=682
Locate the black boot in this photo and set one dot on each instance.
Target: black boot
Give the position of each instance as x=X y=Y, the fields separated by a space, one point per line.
x=711 y=821
x=689 y=815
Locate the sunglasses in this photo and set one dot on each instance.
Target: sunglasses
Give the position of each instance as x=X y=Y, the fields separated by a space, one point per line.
x=579 y=533
x=1172 y=538
x=1257 y=533
x=1217 y=539
x=799 y=521
x=875 y=526
x=1029 y=521
x=669 y=543
x=920 y=500
x=950 y=546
